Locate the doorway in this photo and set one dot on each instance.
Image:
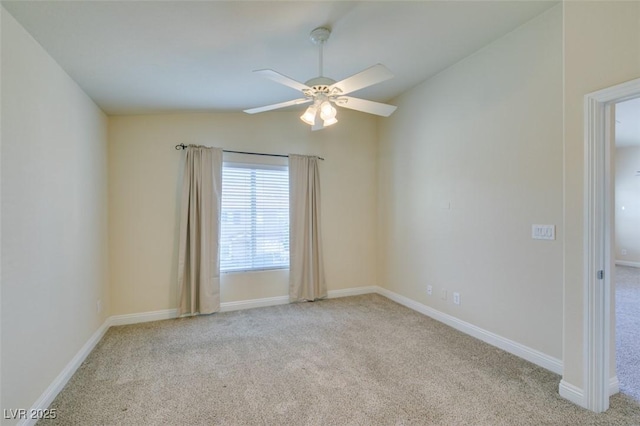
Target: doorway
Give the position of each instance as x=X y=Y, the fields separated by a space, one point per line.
x=626 y=247
x=599 y=240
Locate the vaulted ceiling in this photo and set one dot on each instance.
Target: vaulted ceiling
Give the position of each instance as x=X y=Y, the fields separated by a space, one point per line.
x=153 y=56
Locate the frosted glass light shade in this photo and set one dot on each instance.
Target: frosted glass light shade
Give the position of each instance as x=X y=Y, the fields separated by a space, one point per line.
x=327 y=111
x=330 y=121
x=309 y=116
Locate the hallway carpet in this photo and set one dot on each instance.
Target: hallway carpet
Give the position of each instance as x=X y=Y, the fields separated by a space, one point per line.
x=628 y=330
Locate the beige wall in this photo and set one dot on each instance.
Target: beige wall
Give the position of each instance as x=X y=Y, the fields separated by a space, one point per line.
x=601 y=49
x=470 y=160
x=144 y=184
x=54 y=218
x=627 y=187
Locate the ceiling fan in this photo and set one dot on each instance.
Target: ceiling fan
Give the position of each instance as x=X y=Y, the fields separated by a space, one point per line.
x=323 y=92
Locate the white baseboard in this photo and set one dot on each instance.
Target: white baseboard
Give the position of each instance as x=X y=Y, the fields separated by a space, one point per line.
x=356 y=291
x=571 y=393
x=283 y=300
x=230 y=306
x=253 y=303
x=614 y=385
x=164 y=314
x=515 y=348
x=628 y=263
x=127 y=319
x=67 y=372
x=576 y=394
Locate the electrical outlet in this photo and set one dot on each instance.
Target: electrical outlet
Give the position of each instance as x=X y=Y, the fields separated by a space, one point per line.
x=443 y=294
x=429 y=290
x=99 y=306
x=456 y=298
x=624 y=252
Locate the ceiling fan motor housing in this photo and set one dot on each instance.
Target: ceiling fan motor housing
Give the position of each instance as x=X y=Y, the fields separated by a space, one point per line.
x=320 y=84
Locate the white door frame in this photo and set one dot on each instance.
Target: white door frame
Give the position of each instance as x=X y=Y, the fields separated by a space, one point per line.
x=598 y=220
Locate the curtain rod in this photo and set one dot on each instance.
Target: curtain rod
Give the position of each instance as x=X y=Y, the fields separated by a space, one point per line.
x=183 y=146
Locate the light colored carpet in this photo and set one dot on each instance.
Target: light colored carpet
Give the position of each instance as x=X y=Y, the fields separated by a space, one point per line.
x=361 y=360
x=628 y=330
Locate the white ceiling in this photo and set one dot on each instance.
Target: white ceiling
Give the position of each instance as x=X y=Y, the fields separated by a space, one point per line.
x=153 y=56
x=628 y=123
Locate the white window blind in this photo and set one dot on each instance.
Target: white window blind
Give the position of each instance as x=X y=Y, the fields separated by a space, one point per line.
x=255 y=217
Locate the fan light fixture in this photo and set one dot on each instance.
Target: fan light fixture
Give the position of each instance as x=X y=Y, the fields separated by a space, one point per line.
x=325 y=93
x=327 y=114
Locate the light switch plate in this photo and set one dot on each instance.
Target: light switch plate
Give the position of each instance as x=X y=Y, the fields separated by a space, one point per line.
x=543 y=232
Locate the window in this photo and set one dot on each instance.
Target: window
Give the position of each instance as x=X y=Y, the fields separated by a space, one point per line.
x=255 y=217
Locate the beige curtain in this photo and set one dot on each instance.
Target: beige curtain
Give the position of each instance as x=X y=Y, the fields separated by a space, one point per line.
x=199 y=259
x=306 y=271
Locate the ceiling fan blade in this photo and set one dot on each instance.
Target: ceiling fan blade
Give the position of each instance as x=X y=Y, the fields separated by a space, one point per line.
x=374 y=75
x=282 y=79
x=364 y=105
x=299 y=101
